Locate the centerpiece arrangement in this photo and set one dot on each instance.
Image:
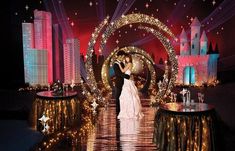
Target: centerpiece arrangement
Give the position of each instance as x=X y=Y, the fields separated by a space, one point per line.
x=57 y=88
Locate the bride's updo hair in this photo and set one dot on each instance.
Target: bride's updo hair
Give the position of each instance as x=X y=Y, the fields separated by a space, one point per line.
x=129 y=56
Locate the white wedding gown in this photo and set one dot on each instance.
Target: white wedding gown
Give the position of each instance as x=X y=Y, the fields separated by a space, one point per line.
x=130 y=106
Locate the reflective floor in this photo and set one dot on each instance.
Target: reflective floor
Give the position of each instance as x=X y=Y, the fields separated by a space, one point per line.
x=107 y=133
x=128 y=135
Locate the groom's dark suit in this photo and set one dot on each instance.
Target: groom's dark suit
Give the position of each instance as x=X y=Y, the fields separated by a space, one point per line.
x=119 y=83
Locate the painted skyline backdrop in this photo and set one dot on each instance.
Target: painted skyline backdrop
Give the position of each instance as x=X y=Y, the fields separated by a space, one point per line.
x=79 y=18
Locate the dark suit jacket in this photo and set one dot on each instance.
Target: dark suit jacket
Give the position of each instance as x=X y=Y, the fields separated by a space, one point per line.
x=119 y=75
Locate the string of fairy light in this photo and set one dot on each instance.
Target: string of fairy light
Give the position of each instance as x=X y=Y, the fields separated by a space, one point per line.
x=77 y=135
x=134 y=51
x=90 y=74
x=130 y=19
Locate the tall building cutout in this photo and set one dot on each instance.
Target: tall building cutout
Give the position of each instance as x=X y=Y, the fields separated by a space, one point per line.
x=71 y=61
x=37 y=49
x=43 y=37
x=58 y=55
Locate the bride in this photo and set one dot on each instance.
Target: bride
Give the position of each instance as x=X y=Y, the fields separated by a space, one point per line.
x=130 y=106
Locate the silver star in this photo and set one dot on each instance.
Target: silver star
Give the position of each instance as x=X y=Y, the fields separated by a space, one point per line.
x=44 y=119
x=26 y=7
x=90 y=3
x=213 y=2
x=184 y=91
x=46 y=128
x=94 y=105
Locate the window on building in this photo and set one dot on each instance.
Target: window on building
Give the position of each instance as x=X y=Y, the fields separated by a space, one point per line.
x=192 y=46
x=196 y=35
x=183 y=44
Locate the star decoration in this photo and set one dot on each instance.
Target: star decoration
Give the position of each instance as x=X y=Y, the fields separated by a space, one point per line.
x=213 y=2
x=191 y=19
x=90 y=3
x=146 y=5
x=46 y=128
x=94 y=105
x=44 y=119
x=72 y=23
x=117 y=41
x=26 y=7
x=184 y=91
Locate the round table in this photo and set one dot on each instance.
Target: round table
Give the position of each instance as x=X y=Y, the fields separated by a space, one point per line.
x=184 y=127
x=62 y=111
x=183 y=108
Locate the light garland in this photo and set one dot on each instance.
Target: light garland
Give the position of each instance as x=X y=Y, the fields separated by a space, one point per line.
x=130 y=19
x=77 y=135
x=90 y=74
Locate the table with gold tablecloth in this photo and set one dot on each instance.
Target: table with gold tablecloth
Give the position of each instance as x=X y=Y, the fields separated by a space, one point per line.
x=62 y=110
x=184 y=127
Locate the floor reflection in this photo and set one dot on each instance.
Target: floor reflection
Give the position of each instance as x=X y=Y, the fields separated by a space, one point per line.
x=129 y=128
x=125 y=134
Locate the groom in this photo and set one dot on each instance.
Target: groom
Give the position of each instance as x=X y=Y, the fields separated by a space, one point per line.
x=119 y=78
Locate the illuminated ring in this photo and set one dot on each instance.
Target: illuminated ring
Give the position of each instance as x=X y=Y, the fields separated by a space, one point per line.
x=173 y=59
x=111 y=28
x=132 y=50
